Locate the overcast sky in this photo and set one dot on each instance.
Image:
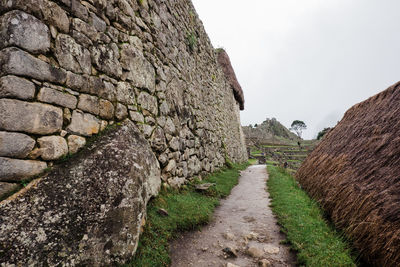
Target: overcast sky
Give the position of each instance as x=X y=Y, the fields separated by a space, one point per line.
x=307 y=60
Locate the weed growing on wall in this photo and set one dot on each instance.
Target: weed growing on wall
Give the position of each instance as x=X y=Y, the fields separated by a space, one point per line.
x=191 y=40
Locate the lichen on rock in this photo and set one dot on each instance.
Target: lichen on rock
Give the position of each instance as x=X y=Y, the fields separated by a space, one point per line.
x=87 y=211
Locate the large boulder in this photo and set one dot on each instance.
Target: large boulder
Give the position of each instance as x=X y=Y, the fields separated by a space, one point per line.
x=87 y=211
x=354 y=174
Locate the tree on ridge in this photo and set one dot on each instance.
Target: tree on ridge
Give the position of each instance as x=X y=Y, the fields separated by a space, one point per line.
x=298 y=127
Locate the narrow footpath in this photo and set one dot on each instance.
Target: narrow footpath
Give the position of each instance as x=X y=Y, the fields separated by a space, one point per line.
x=243 y=232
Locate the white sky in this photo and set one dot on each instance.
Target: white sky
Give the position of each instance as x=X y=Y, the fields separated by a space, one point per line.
x=307 y=60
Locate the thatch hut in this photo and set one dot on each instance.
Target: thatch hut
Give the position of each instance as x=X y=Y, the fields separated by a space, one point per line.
x=225 y=63
x=355 y=175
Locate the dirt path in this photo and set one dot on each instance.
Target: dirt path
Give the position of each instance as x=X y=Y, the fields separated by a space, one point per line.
x=243 y=223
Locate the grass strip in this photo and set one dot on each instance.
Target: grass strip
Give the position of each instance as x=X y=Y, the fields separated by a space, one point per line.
x=253 y=161
x=187 y=210
x=316 y=242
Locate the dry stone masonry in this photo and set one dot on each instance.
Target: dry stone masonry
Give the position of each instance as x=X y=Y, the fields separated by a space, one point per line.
x=70 y=69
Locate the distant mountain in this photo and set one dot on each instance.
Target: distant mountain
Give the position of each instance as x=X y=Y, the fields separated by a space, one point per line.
x=269 y=131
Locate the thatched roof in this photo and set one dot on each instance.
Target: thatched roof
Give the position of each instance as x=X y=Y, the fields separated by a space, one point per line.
x=225 y=63
x=355 y=174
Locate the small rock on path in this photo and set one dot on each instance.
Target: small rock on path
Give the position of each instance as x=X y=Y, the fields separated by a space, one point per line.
x=243 y=222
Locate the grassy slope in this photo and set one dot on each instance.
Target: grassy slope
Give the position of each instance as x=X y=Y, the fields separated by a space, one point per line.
x=302 y=220
x=187 y=210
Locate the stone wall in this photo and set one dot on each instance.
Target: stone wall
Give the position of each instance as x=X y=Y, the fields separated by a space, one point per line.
x=69 y=69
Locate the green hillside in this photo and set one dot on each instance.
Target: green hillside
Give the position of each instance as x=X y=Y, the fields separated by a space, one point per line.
x=269 y=131
x=274 y=143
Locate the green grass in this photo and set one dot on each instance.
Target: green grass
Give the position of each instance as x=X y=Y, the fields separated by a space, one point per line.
x=276 y=146
x=187 y=210
x=253 y=161
x=316 y=242
x=294 y=151
x=300 y=156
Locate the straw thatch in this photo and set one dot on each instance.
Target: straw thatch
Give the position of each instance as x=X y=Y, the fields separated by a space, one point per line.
x=355 y=174
x=225 y=63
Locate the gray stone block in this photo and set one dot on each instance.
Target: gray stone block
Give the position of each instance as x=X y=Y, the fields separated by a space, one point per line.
x=105 y=90
x=72 y=56
x=141 y=72
x=164 y=108
x=136 y=116
x=15 y=170
x=52 y=147
x=83 y=124
x=170 y=167
x=18 y=62
x=15 y=87
x=147 y=130
x=125 y=93
x=15 y=145
x=106 y=109
x=169 y=127
x=121 y=112
x=89 y=104
x=57 y=97
x=174 y=144
x=36 y=118
x=79 y=10
x=75 y=142
x=86 y=29
x=102 y=88
x=18 y=28
x=48 y=10
x=99 y=24
x=148 y=102
x=78 y=82
x=55 y=15
x=105 y=58
x=157 y=140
